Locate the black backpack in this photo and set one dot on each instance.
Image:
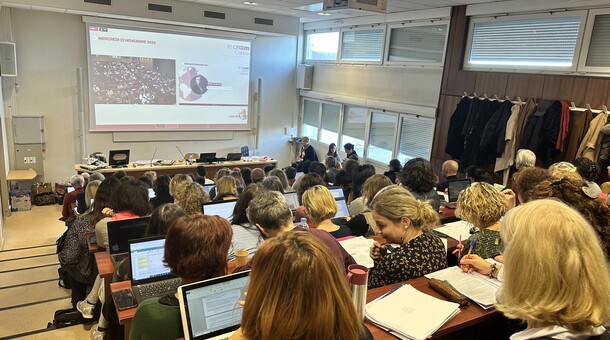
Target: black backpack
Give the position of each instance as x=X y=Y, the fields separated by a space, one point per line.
x=66 y=317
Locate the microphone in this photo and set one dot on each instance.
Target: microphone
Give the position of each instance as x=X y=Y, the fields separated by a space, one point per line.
x=180 y=152
x=153 y=157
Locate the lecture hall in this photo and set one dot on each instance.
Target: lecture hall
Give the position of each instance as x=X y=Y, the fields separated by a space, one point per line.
x=304 y=169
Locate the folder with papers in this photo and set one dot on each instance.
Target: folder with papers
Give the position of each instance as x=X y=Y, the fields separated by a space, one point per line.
x=478 y=288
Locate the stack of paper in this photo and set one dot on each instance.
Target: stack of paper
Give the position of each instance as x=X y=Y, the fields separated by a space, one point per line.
x=359 y=248
x=478 y=288
x=455 y=230
x=409 y=313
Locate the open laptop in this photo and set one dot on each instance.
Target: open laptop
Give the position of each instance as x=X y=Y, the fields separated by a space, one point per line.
x=223 y=209
x=149 y=275
x=292 y=198
x=210 y=309
x=342 y=210
x=337 y=192
x=208 y=187
x=119 y=234
x=118 y=158
x=234 y=156
x=207 y=157
x=454 y=187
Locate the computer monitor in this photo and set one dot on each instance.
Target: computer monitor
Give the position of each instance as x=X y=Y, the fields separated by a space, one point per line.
x=233 y=156
x=118 y=158
x=207 y=157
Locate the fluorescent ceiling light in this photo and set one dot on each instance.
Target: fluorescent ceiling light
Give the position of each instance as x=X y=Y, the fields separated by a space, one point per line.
x=250 y=3
x=312 y=8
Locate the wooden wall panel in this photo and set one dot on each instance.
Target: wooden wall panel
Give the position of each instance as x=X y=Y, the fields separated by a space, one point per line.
x=524 y=86
x=557 y=87
x=597 y=92
x=490 y=83
x=446 y=107
x=456 y=81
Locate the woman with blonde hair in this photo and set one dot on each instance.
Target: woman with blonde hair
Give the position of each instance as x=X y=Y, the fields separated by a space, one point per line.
x=177 y=181
x=190 y=197
x=226 y=189
x=218 y=175
x=279 y=173
x=371 y=186
x=555 y=276
x=402 y=219
x=321 y=207
x=276 y=308
x=482 y=205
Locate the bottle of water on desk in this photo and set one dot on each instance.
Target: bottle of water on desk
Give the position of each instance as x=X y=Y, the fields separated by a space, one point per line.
x=303 y=224
x=190 y=159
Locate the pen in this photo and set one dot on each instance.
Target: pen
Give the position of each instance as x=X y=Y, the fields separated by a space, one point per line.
x=460 y=250
x=471 y=246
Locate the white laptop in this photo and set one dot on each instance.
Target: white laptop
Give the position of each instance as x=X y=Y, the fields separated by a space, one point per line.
x=210 y=308
x=342 y=210
x=223 y=209
x=337 y=192
x=292 y=198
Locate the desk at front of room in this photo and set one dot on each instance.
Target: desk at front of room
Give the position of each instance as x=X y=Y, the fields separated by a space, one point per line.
x=179 y=168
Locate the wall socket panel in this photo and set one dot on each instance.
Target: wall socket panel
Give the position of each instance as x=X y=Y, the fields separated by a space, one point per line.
x=29 y=160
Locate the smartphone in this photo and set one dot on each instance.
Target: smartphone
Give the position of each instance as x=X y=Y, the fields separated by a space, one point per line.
x=124 y=299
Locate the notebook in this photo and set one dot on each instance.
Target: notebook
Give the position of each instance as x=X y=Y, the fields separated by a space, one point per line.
x=119 y=234
x=292 y=198
x=210 y=309
x=223 y=209
x=454 y=187
x=337 y=192
x=342 y=210
x=149 y=275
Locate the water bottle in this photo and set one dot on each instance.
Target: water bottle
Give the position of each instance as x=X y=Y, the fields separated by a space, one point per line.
x=190 y=159
x=357 y=278
x=303 y=224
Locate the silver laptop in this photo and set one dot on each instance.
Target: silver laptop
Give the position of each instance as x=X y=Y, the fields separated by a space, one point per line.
x=119 y=234
x=337 y=192
x=208 y=187
x=292 y=198
x=342 y=210
x=150 y=277
x=223 y=209
x=210 y=308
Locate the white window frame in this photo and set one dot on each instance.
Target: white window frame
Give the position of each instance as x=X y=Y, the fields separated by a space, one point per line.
x=324 y=30
x=407 y=116
x=588 y=34
x=368 y=135
x=362 y=62
x=528 y=69
x=388 y=34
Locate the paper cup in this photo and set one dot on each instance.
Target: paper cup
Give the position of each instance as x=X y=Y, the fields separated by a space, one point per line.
x=241 y=258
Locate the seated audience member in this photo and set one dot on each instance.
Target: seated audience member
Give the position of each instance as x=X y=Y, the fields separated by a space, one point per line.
x=257 y=175
x=146 y=181
x=246 y=236
x=74 y=257
x=402 y=219
x=246 y=174
x=344 y=180
x=196 y=248
x=332 y=152
x=321 y=207
x=605 y=187
x=350 y=152
x=270 y=213
x=273 y=183
x=482 y=205
x=239 y=180
x=82 y=205
x=394 y=167
x=370 y=188
x=349 y=165
x=161 y=189
x=478 y=174
x=359 y=176
x=589 y=171
x=276 y=309
x=308 y=153
x=291 y=173
x=563 y=169
x=525 y=158
x=559 y=297
x=119 y=174
x=152 y=175
x=449 y=170
x=85 y=178
x=418 y=177
x=267 y=168
x=281 y=175
x=160 y=220
x=331 y=170
x=307 y=181
x=317 y=168
x=177 y=181
x=575 y=194
x=219 y=174
x=202 y=172
x=525 y=180
x=126 y=179
x=190 y=198
x=67 y=211
x=226 y=189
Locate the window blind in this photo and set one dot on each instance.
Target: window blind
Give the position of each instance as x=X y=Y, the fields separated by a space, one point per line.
x=418 y=43
x=311 y=112
x=354 y=127
x=381 y=137
x=525 y=42
x=331 y=115
x=362 y=45
x=599 y=47
x=416 y=135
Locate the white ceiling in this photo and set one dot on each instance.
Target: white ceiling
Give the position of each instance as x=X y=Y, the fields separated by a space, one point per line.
x=290 y=7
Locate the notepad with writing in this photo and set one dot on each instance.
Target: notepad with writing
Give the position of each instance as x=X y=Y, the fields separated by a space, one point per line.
x=478 y=288
x=409 y=313
x=455 y=230
x=359 y=248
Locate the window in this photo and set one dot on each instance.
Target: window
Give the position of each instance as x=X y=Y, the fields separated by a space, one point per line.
x=331 y=115
x=354 y=127
x=596 y=50
x=311 y=114
x=362 y=44
x=547 y=42
x=416 y=44
x=321 y=46
x=381 y=137
x=416 y=134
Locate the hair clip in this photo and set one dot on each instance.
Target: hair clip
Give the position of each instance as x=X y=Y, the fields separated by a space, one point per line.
x=589 y=191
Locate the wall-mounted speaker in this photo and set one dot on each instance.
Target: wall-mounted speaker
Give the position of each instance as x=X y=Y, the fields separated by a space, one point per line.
x=8 y=59
x=304 y=77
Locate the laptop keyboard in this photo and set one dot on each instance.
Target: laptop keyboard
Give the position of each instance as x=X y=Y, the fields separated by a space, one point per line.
x=158 y=288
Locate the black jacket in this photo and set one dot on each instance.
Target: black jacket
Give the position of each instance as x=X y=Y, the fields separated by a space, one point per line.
x=455 y=138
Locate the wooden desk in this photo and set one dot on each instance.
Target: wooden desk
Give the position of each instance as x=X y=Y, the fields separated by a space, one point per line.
x=178 y=168
x=105 y=269
x=21 y=175
x=447 y=215
x=469 y=316
x=93 y=247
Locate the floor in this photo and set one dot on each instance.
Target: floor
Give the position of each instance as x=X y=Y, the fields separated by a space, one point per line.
x=29 y=293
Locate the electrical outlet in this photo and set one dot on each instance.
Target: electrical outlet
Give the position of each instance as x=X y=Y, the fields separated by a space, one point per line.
x=26 y=160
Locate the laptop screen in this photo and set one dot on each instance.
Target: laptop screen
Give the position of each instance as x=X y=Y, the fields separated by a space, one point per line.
x=337 y=192
x=121 y=231
x=208 y=187
x=70 y=189
x=146 y=256
x=210 y=308
x=454 y=187
x=223 y=209
x=342 y=210
x=292 y=198
x=151 y=193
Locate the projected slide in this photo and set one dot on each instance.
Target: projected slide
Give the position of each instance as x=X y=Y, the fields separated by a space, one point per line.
x=144 y=80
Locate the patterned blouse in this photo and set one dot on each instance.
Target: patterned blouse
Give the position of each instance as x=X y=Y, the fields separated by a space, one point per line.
x=420 y=256
x=488 y=244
